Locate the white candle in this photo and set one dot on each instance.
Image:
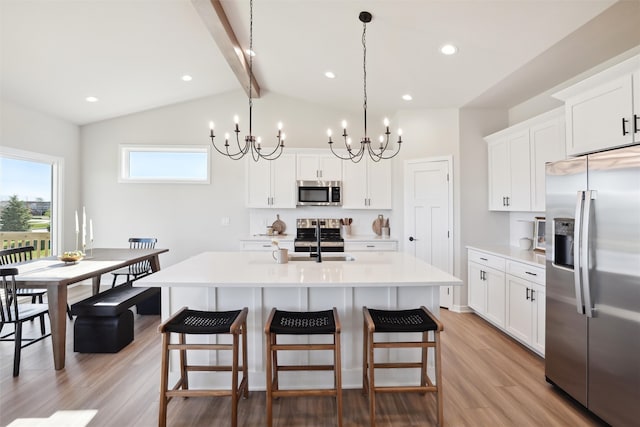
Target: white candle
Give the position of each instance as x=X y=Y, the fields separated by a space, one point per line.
x=77 y=228
x=91 y=230
x=84 y=228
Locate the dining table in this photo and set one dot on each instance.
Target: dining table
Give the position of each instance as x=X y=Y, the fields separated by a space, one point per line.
x=55 y=276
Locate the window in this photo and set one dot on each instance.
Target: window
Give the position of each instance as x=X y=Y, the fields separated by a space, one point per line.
x=35 y=181
x=165 y=164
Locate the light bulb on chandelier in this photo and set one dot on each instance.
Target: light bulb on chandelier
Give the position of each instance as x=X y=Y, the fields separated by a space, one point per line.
x=376 y=154
x=252 y=144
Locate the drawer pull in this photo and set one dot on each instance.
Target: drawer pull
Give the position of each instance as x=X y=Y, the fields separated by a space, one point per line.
x=532 y=274
x=371 y=246
x=484 y=259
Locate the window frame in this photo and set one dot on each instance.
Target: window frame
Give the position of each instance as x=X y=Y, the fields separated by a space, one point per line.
x=124 y=151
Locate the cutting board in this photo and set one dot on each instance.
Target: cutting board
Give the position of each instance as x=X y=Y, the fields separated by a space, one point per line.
x=279 y=225
x=378 y=223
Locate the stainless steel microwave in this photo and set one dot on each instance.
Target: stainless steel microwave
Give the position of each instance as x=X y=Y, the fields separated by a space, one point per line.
x=319 y=193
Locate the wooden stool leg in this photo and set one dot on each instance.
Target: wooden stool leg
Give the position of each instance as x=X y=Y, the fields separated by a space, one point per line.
x=245 y=364
x=439 y=397
x=365 y=355
x=164 y=379
x=423 y=362
x=184 y=378
x=372 y=389
x=276 y=384
x=269 y=370
x=338 y=375
x=234 y=381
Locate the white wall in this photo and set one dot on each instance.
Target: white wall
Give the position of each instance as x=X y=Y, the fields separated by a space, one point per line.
x=32 y=131
x=187 y=218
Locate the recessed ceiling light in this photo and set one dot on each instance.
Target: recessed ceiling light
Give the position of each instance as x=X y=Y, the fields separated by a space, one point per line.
x=91 y=99
x=448 y=49
x=250 y=52
x=330 y=75
x=407 y=97
x=187 y=78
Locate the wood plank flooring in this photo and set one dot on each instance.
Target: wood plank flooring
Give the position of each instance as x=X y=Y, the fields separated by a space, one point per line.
x=489 y=380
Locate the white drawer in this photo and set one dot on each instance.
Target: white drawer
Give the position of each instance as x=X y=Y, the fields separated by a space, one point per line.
x=486 y=259
x=263 y=245
x=370 y=246
x=526 y=272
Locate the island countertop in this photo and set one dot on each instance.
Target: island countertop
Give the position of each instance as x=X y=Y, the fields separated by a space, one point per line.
x=258 y=269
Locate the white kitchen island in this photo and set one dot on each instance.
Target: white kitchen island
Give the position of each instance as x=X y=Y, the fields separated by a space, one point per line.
x=232 y=280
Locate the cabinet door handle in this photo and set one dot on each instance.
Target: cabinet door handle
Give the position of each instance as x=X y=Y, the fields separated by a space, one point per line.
x=508 y=203
x=636 y=127
x=528 y=290
x=532 y=294
x=530 y=273
x=504 y=201
x=624 y=126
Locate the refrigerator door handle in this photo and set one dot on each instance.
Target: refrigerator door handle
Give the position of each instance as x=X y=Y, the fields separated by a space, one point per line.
x=577 y=252
x=586 y=286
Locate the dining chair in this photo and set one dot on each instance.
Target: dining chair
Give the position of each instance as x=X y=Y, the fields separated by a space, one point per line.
x=13 y=313
x=139 y=269
x=22 y=254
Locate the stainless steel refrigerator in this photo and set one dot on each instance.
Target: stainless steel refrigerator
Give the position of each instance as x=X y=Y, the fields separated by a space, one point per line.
x=592 y=348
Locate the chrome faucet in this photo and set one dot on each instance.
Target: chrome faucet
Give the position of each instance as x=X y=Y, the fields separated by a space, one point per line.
x=318 y=250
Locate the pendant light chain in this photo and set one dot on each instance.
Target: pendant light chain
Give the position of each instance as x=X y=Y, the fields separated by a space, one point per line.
x=364 y=73
x=251 y=143
x=376 y=154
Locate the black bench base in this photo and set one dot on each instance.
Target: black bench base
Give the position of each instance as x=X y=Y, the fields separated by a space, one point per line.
x=105 y=323
x=102 y=334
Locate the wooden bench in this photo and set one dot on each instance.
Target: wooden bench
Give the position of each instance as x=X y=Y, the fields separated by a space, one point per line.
x=104 y=323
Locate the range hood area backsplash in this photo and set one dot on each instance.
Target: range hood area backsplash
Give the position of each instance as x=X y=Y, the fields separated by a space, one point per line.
x=362 y=223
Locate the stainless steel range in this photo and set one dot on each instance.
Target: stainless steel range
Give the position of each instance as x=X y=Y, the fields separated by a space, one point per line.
x=307 y=241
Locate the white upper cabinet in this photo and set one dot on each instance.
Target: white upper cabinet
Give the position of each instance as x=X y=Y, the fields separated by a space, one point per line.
x=517 y=157
x=509 y=172
x=366 y=184
x=325 y=167
x=603 y=111
x=547 y=145
x=272 y=184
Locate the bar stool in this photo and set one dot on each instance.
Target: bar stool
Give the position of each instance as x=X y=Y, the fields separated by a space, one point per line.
x=302 y=323
x=385 y=321
x=186 y=322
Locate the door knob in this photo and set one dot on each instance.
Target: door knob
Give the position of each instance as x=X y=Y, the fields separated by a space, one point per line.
x=411 y=239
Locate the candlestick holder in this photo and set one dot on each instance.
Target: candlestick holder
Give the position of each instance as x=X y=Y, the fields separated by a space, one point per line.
x=77 y=238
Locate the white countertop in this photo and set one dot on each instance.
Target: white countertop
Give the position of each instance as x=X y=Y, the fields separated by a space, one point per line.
x=291 y=237
x=258 y=269
x=536 y=259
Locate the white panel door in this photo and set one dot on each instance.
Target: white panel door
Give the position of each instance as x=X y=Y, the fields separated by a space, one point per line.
x=428 y=216
x=283 y=181
x=379 y=184
x=499 y=175
x=519 y=197
x=547 y=145
x=258 y=184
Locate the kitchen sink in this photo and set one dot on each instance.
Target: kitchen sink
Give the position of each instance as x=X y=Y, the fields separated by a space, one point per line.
x=324 y=258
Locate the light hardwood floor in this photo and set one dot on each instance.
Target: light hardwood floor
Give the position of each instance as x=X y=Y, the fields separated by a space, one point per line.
x=489 y=380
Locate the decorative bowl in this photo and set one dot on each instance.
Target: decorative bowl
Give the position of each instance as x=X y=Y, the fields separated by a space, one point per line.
x=71 y=257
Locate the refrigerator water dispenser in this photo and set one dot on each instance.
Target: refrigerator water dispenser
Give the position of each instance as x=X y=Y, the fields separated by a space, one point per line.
x=563 y=242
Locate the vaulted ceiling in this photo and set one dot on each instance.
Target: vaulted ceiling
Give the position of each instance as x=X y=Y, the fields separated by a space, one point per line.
x=131 y=54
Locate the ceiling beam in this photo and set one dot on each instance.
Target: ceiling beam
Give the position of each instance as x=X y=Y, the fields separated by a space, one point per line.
x=216 y=21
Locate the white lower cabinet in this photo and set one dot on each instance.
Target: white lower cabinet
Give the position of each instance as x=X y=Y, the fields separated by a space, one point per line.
x=509 y=294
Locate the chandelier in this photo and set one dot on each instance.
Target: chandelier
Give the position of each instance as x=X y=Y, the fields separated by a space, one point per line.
x=376 y=154
x=252 y=143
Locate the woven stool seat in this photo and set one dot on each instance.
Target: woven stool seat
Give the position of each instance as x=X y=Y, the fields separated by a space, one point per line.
x=305 y=322
x=402 y=321
x=202 y=322
x=191 y=322
x=416 y=321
